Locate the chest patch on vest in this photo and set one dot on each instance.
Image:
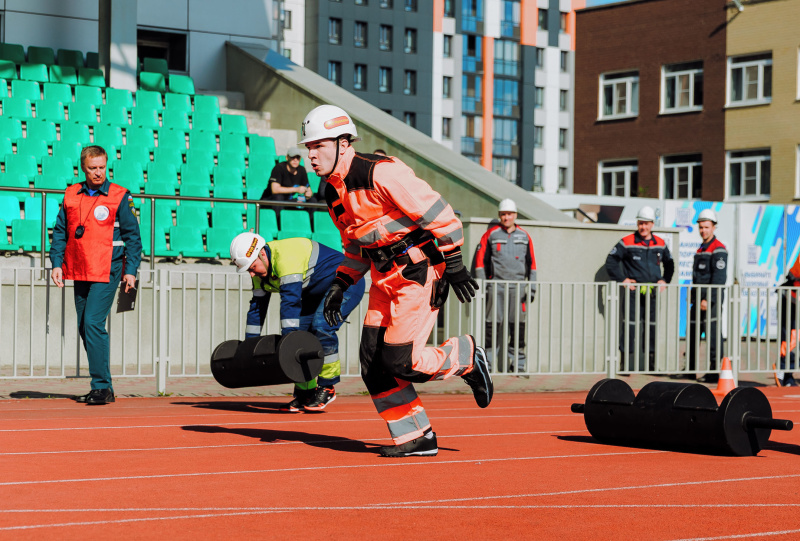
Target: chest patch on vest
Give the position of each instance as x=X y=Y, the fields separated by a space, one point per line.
x=101 y=213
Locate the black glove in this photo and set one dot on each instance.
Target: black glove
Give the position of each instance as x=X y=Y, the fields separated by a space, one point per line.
x=332 y=310
x=458 y=276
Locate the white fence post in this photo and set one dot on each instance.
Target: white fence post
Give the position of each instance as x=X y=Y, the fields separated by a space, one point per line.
x=162 y=354
x=612 y=336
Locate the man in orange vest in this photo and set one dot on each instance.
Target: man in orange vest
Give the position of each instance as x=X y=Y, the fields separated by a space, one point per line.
x=788 y=323
x=96 y=236
x=396 y=226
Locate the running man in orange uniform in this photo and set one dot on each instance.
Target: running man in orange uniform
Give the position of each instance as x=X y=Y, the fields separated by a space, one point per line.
x=397 y=226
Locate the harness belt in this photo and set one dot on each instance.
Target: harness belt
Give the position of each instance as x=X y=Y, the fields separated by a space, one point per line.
x=385 y=254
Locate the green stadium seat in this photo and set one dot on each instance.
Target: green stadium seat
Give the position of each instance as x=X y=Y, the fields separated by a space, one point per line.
x=82 y=112
x=40 y=129
x=50 y=182
x=27 y=234
x=91 y=77
x=163 y=215
x=162 y=173
x=6 y=146
x=89 y=94
x=149 y=99
x=260 y=144
x=33 y=210
x=63 y=74
x=129 y=174
x=228 y=191
x=51 y=110
x=178 y=102
x=68 y=149
x=156 y=82
x=313 y=182
x=111 y=150
x=331 y=240
x=168 y=156
x=3 y=88
x=254 y=193
x=13 y=180
x=41 y=55
x=161 y=244
x=206 y=104
x=194 y=216
x=114 y=115
x=187 y=241
x=296 y=220
x=8 y=70
x=105 y=134
x=261 y=162
x=196 y=190
x=226 y=217
x=145 y=117
x=13 y=52
x=181 y=84
x=11 y=128
x=175 y=139
x=119 y=96
x=233 y=142
x=194 y=175
x=206 y=121
x=136 y=153
x=9 y=202
x=161 y=188
x=37 y=148
x=19 y=108
x=34 y=72
x=323 y=223
x=155 y=65
x=231 y=160
x=218 y=241
x=5 y=245
x=268 y=224
x=227 y=177
x=21 y=164
x=93 y=60
x=71 y=131
x=56 y=92
x=200 y=158
x=57 y=166
x=293 y=234
x=177 y=120
x=234 y=124
x=203 y=141
x=140 y=136
x=70 y=57
x=26 y=89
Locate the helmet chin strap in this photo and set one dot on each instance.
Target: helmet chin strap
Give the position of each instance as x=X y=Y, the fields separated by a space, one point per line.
x=336 y=161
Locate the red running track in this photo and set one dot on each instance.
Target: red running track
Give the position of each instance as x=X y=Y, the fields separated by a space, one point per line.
x=525 y=468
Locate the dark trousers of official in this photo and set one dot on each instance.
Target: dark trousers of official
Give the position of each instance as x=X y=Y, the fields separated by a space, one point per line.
x=93 y=302
x=705 y=323
x=646 y=320
x=788 y=324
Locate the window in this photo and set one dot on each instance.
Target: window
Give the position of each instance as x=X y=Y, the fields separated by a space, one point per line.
x=171 y=46
x=385 y=79
x=410 y=83
x=538 y=97
x=287 y=53
x=562 y=100
x=749 y=173
x=542 y=19
x=386 y=4
x=562 y=178
x=360 y=77
x=750 y=79
x=286 y=19
x=472 y=132
x=562 y=138
x=506 y=136
x=385 y=38
x=620 y=94
x=506 y=57
x=335 y=72
x=471 y=98
x=335 y=31
x=360 y=34
x=446 y=128
x=361 y=2
x=410 y=119
x=447 y=49
x=506 y=168
x=449 y=8
x=564 y=61
x=539 y=57
x=506 y=97
x=563 y=22
x=682 y=87
x=510 y=18
x=619 y=178
x=410 y=5
x=410 y=41
x=538 y=136
x=538 y=174
x=683 y=176
x=447 y=83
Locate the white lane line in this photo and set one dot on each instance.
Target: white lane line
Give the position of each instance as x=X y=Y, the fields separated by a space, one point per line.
x=296 y=420
x=741 y=536
x=328 y=468
x=26 y=453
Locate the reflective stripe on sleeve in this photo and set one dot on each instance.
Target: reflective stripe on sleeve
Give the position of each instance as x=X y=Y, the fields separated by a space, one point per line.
x=451 y=238
x=432 y=213
x=118 y=243
x=291 y=278
x=252 y=329
x=259 y=293
x=290 y=323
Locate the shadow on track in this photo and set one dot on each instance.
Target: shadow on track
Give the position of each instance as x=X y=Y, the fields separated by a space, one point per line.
x=39 y=394
x=254 y=406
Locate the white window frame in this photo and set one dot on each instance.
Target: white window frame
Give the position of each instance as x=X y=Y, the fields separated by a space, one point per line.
x=616 y=80
x=741 y=161
x=691 y=74
x=609 y=167
x=690 y=165
x=735 y=63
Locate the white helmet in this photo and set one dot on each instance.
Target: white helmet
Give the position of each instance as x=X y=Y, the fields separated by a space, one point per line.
x=326 y=122
x=707 y=215
x=507 y=205
x=646 y=214
x=245 y=248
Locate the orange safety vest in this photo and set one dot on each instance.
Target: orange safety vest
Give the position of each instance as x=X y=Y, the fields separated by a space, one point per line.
x=89 y=257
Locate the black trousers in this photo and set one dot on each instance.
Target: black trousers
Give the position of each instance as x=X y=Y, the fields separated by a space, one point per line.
x=636 y=326
x=706 y=322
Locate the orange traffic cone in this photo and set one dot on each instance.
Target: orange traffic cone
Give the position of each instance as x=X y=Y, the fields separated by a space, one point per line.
x=726 y=383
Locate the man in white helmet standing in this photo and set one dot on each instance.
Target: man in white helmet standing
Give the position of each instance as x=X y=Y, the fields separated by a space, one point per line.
x=302 y=271
x=710 y=267
x=505 y=252
x=396 y=226
x=637 y=259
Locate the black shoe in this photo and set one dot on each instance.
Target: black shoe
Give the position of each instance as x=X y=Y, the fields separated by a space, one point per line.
x=709 y=378
x=417 y=447
x=480 y=379
x=100 y=397
x=322 y=397
x=301 y=398
x=81 y=399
